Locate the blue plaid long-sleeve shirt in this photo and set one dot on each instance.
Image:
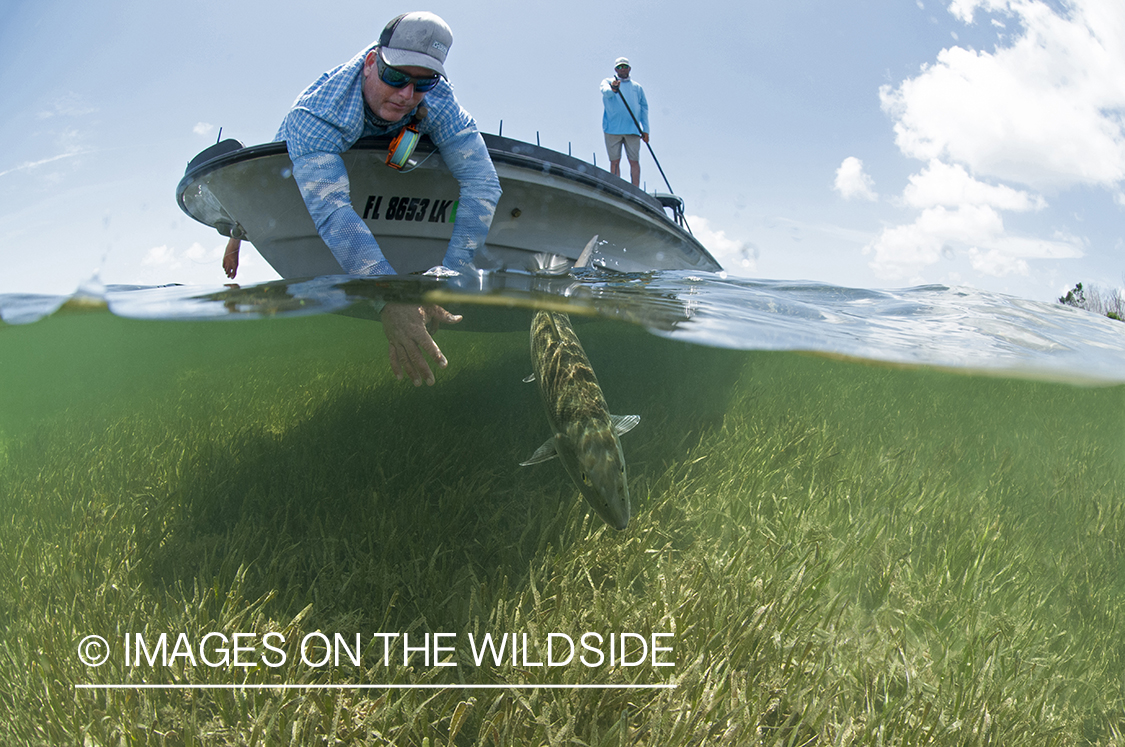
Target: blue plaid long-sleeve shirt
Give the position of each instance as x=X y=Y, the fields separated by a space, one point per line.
x=330 y=116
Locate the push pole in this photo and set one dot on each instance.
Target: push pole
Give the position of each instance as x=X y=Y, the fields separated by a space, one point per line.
x=679 y=213
x=638 y=124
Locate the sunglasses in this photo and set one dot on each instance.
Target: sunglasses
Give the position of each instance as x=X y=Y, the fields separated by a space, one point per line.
x=395 y=78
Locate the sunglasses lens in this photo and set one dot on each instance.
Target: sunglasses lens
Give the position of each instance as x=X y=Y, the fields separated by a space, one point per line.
x=394 y=78
x=398 y=79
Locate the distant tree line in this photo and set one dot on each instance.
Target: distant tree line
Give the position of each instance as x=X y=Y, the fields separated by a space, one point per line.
x=1091 y=298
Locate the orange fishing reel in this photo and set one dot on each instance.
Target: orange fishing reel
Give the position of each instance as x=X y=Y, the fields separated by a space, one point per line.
x=402 y=147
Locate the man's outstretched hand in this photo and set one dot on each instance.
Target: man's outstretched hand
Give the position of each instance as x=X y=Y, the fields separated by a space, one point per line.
x=409 y=329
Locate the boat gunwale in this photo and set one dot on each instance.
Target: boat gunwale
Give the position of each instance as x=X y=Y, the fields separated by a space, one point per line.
x=500 y=149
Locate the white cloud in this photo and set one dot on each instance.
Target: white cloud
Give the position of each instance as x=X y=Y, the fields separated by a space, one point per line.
x=942 y=184
x=1047 y=111
x=197 y=253
x=31 y=165
x=162 y=256
x=996 y=263
x=69 y=141
x=168 y=258
x=202 y=128
x=67 y=105
x=851 y=182
x=964 y=9
x=903 y=251
x=735 y=255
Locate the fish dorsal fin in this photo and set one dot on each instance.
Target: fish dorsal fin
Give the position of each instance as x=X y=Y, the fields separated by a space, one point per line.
x=530 y=378
x=553 y=319
x=622 y=424
x=584 y=257
x=543 y=453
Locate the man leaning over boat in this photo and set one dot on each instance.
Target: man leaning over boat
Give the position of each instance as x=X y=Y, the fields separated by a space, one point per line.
x=398 y=81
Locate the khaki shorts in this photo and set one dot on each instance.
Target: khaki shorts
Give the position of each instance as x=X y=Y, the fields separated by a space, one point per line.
x=632 y=146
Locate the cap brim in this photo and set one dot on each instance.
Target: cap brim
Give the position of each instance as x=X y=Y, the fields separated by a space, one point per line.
x=406 y=58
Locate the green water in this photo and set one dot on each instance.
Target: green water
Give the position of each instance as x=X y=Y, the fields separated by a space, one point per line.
x=842 y=553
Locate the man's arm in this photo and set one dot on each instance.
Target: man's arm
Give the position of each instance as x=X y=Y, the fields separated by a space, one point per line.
x=323 y=182
x=315 y=143
x=465 y=154
x=467 y=157
x=230 y=257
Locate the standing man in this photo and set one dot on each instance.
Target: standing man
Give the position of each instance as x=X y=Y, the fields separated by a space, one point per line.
x=398 y=81
x=619 y=126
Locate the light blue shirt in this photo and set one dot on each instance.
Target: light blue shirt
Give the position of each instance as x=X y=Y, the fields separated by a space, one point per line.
x=330 y=116
x=616 y=119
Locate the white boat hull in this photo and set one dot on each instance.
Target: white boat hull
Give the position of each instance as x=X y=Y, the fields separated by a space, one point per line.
x=551 y=203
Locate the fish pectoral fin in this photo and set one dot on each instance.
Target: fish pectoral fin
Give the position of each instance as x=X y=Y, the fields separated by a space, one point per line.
x=530 y=378
x=543 y=453
x=622 y=424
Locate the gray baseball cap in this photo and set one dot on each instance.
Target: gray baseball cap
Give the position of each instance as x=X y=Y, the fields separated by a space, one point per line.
x=420 y=38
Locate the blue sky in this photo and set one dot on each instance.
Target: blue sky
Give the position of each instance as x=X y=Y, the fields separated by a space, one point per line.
x=879 y=144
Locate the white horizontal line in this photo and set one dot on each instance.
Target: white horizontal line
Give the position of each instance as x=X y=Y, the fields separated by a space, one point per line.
x=338 y=686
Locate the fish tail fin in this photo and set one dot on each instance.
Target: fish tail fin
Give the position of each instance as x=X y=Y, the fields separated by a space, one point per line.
x=545 y=263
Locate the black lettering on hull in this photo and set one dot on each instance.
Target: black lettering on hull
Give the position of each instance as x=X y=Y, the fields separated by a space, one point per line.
x=407 y=208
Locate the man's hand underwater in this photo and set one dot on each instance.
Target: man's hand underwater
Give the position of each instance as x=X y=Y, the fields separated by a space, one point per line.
x=409 y=329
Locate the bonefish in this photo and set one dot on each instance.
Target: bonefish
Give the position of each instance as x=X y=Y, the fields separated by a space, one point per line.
x=585 y=435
